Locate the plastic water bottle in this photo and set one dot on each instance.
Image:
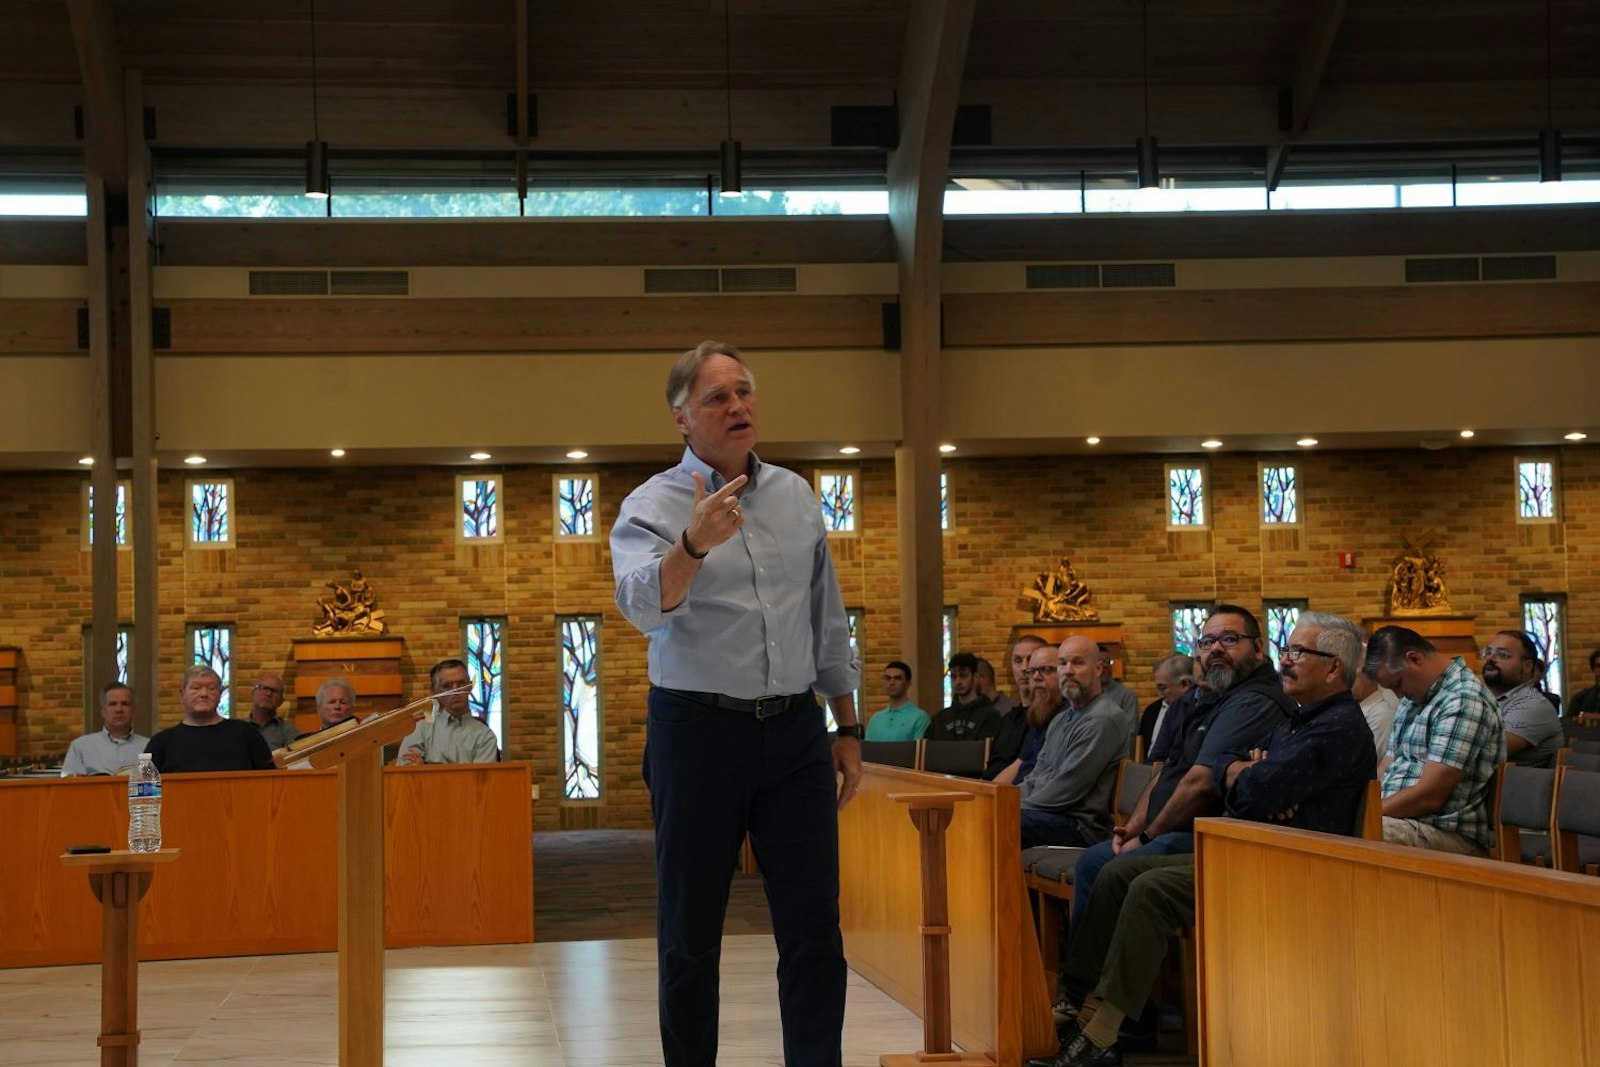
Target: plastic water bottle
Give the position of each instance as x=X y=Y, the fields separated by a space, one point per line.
x=144 y=806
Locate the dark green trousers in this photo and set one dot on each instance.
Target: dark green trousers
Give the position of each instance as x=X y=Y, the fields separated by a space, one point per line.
x=1136 y=904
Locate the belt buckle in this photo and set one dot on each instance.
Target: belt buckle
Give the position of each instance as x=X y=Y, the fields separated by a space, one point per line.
x=776 y=702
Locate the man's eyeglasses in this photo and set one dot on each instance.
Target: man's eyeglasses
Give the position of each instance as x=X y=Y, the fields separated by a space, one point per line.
x=1504 y=655
x=1035 y=672
x=1226 y=640
x=1294 y=653
x=269 y=689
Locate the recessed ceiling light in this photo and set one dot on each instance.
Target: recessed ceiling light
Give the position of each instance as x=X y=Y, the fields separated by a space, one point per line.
x=947 y=448
x=1575 y=435
x=1211 y=442
x=87 y=461
x=577 y=453
x=849 y=450
x=194 y=461
x=1467 y=433
x=337 y=453
x=1092 y=440
x=1307 y=442
x=481 y=455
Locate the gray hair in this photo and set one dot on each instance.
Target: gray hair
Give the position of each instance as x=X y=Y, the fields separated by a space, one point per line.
x=1178 y=667
x=196 y=671
x=687 y=368
x=336 y=683
x=1338 y=636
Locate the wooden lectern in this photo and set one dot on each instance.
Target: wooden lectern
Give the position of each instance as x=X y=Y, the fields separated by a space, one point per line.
x=358 y=754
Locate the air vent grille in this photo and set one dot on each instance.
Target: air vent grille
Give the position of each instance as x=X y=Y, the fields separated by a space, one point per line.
x=288 y=283
x=1138 y=275
x=758 y=279
x=681 y=280
x=369 y=283
x=1449 y=269
x=1063 y=276
x=1519 y=268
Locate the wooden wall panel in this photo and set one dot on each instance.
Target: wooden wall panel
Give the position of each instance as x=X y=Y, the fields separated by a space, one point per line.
x=1176 y=316
x=259 y=867
x=39 y=326
x=567 y=325
x=42 y=242
x=1398 y=955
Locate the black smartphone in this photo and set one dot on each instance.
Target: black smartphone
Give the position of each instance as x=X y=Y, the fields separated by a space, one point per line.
x=87 y=850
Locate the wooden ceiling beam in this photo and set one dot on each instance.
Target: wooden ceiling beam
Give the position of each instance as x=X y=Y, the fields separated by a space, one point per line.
x=1325 y=23
x=94 y=34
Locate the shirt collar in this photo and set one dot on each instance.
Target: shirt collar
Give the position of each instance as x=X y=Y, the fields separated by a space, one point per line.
x=116 y=740
x=1513 y=691
x=1306 y=712
x=1456 y=665
x=715 y=480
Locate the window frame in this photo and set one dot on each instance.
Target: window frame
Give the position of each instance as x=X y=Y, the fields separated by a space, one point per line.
x=1205 y=496
x=232 y=630
x=189 y=540
x=125 y=489
x=597 y=766
x=465 y=622
x=499 y=535
x=854 y=474
x=555 y=505
x=1555 y=490
x=1298 y=521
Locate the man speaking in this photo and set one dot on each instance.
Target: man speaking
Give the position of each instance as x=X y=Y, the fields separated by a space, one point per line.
x=722 y=561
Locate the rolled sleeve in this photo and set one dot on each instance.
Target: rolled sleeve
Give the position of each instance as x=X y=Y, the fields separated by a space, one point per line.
x=636 y=552
x=838 y=671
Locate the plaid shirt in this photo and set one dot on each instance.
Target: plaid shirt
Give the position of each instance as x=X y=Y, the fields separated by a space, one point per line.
x=1459 y=726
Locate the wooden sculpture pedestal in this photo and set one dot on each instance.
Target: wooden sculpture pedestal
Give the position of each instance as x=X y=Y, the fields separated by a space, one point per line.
x=371 y=664
x=120 y=880
x=1101 y=633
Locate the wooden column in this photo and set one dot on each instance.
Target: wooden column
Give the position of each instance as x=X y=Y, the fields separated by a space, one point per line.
x=361 y=909
x=144 y=657
x=930 y=82
x=120 y=880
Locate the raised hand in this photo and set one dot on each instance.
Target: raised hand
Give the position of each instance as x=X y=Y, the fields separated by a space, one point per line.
x=716 y=515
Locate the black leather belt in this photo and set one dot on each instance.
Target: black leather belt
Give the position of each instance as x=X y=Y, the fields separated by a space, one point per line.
x=764 y=707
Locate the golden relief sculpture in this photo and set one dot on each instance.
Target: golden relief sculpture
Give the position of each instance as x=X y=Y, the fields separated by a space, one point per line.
x=1416 y=586
x=1058 y=596
x=351 y=610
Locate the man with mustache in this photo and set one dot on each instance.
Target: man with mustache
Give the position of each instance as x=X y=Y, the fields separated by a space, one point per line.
x=1311 y=773
x=1007 y=744
x=1511 y=671
x=1242 y=703
x=1066 y=798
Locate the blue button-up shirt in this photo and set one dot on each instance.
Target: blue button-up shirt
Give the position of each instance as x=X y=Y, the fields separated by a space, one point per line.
x=763 y=614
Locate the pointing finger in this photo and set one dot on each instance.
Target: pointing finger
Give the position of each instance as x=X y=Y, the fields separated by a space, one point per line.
x=699 y=486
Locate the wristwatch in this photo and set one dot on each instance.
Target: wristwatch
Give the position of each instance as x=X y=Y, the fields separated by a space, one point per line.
x=855 y=730
x=1144 y=837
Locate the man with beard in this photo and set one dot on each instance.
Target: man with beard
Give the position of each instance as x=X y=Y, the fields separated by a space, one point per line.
x=1044 y=703
x=1311 y=773
x=1007 y=743
x=1242 y=703
x=1511 y=670
x=1066 y=799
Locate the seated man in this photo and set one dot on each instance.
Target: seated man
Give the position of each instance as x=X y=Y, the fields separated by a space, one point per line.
x=1013 y=731
x=1003 y=704
x=1511 y=670
x=1446 y=744
x=1243 y=703
x=1378 y=705
x=1115 y=691
x=114 y=746
x=1045 y=702
x=454 y=736
x=204 y=740
x=336 y=702
x=900 y=720
x=1587 y=701
x=1311 y=773
x=1066 y=799
x=265 y=698
x=1174 y=676
x=970 y=716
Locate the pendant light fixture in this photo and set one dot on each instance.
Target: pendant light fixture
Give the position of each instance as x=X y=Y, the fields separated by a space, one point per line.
x=317 y=183
x=1149 y=169
x=1549 y=137
x=732 y=176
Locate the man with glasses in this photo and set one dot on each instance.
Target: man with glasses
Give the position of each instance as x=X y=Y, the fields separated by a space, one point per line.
x=1511 y=670
x=1446 y=743
x=265 y=697
x=901 y=720
x=1044 y=704
x=1311 y=773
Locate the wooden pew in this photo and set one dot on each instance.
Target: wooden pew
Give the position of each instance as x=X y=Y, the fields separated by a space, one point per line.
x=1394 y=955
x=1000 y=1004
x=260 y=874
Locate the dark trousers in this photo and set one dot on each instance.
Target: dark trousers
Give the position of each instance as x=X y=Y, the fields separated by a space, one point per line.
x=1090 y=863
x=715 y=775
x=1137 y=903
x=1041 y=827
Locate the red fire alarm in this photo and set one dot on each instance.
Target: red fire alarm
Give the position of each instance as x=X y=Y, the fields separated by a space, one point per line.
x=1347 y=561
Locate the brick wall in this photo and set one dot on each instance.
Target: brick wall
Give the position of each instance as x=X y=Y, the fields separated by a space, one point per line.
x=1011 y=518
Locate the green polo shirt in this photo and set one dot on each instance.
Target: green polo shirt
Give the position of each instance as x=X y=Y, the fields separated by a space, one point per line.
x=905 y=723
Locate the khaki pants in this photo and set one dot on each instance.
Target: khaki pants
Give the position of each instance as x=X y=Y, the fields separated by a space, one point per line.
x=1419 y=834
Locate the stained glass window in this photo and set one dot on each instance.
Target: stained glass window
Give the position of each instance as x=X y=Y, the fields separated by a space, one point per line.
x=211 y=513
x=1536 y=491
x=1281 y=618
x=837 y=492
x=575 y=506
x=1186 y=496
x=580 y=704
x=1280 y=496
x=212 y=644
x=949 y=649
x=91 y=695
x=1541 y=618
x=1187 y=622
x=121 y=517
x=481 y=637
x=480 y=508
x=124 y=640
x=944 y=501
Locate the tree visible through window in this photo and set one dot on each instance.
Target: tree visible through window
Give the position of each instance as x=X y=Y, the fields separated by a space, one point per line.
x=1187 y=622
x=1186 y=496
x=481 y=638
x=210 y=513
x=837 y=492
x=1541 y=618
x=1282 y=615
x=1536 y=490
x=575 y=506
x=1279 y=496
x=121 y=516
x=580 y=705
x=480 y=508
x=212 y=644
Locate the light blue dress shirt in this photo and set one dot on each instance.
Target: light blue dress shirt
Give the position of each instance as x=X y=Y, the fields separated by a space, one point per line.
x=100 y=753
x=763 y=615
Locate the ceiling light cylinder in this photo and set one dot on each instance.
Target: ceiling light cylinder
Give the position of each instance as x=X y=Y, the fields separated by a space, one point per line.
x=317 y=184
x=732 y=171
x=1149 y=170
x=1549 y=155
